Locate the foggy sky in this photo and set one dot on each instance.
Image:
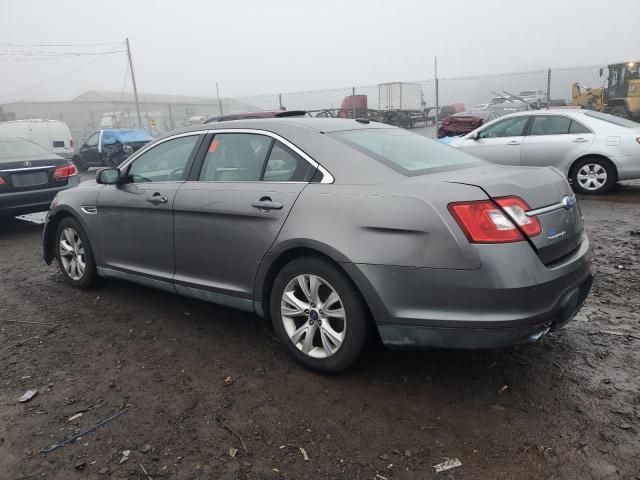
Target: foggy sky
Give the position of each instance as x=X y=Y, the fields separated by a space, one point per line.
x=256 y=47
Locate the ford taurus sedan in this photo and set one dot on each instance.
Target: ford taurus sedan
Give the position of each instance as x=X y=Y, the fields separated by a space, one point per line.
x=593 y=149
x=334 y=229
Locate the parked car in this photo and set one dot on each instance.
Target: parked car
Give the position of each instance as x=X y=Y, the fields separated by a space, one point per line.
x=109 y=147
x=464 y=122
x=593 y=150
x=258 y=115
x=30 y=176
x=53 y=135
x=334 y=229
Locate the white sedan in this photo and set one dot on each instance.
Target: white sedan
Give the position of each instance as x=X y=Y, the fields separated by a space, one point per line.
x=593 y=149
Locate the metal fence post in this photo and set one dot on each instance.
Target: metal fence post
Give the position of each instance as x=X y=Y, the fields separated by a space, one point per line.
x=353 y=102
x=437 y=93
x=170 y=116
x=280 y=101
x=548 y=88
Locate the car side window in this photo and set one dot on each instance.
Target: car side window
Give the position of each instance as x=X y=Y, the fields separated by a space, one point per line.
x=509 y=127
x=284 y=165
x=577 y=127
x=92 y=140
x=550 y=125
x=235 y=157
x=163 y=163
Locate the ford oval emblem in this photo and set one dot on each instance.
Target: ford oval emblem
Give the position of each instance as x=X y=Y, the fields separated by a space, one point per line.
x=568 y=202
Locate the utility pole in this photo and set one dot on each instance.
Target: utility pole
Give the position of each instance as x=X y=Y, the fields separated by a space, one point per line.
x=219 y=99
x=435 y=61
x=133 y=80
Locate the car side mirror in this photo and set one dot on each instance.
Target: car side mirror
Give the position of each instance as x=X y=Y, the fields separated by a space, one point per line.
x=474 y=136
x=108 y=176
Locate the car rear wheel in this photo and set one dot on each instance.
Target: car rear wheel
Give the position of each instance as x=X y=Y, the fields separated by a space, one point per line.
x=318 y=314
x=74 y=254
x=619 y=112
x=593 y=175
x=80 y=164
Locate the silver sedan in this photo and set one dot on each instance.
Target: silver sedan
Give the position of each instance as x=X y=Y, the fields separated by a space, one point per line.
x=594 y=150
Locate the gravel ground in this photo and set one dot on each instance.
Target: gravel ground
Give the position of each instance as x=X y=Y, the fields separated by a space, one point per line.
x=209 y=393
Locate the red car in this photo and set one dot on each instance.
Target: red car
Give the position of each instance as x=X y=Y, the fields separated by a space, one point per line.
x=464 y=122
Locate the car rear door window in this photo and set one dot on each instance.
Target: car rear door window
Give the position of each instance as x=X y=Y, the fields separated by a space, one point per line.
x=235 y=157
x=509 y=127
x=284 y=165
x=577 y=127
x=164 y=162
x=550 y=125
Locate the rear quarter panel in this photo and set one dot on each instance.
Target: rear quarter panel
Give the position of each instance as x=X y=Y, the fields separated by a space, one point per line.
x=406 y=224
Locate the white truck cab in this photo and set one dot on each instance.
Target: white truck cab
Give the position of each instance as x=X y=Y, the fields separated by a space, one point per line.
x=53 y=135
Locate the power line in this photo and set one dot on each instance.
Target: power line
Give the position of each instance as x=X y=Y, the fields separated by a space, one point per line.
x=57 y=44
x=59 y=76
x=52 y=53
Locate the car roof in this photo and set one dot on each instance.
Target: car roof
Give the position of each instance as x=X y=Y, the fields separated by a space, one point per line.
x=321 y=125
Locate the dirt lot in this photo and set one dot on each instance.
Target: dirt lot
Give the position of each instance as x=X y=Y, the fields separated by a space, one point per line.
x=567 y=407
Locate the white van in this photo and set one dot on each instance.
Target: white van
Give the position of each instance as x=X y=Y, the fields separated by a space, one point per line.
x=54 y=135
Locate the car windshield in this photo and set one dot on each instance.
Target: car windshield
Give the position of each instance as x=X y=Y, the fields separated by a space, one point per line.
x=605 y=117
x=16 y=147
x=407 y=153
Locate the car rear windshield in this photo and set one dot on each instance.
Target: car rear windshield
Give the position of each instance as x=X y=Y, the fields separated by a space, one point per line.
x=19 y=148
x=407 y=153
x=605 y=117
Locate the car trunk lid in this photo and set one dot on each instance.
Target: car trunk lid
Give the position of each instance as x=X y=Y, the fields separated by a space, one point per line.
x=548 y=195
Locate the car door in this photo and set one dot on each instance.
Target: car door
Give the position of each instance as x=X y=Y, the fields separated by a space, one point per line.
x=231 y=210
x=89 y=150
x=498 y=142
x=135 y=216
x=554 y=140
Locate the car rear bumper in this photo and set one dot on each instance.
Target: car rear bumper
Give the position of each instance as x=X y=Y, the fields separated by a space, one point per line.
x=512 y=298
x=19 y=203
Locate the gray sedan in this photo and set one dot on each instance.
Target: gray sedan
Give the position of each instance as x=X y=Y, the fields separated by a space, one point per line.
x=334 y=229
x=594 y=150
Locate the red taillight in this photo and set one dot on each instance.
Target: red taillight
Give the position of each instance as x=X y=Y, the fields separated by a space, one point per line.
x=2 y=182
x=487 y=222
x=64 y=172
x=484 y=222
x=516 y=208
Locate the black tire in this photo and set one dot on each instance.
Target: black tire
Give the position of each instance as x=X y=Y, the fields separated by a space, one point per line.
x=356 y=314
x=620 y=111
x=600 y=163
x=114 y=160
x=89 y=276
x=80 y=164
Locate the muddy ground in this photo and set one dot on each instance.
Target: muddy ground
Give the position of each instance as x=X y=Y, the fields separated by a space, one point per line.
x=190 y=373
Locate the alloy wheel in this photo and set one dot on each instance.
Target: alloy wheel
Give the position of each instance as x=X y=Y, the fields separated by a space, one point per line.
x=313 y=316
x=592 y=176
x=72 y=253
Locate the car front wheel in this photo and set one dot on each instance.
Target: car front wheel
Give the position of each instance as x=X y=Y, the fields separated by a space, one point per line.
x=318 y=314
x=593 y=175
x=74 y=254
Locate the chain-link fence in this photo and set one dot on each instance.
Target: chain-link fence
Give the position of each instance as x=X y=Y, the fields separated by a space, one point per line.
x=407 y=104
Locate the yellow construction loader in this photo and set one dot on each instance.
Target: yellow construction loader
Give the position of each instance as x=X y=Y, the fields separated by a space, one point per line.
x=620 y=96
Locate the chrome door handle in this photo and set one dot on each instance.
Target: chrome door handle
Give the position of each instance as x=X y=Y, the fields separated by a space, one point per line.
x=580 y=140
x=513 y=142
x=265 y=203
x=157 y=199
